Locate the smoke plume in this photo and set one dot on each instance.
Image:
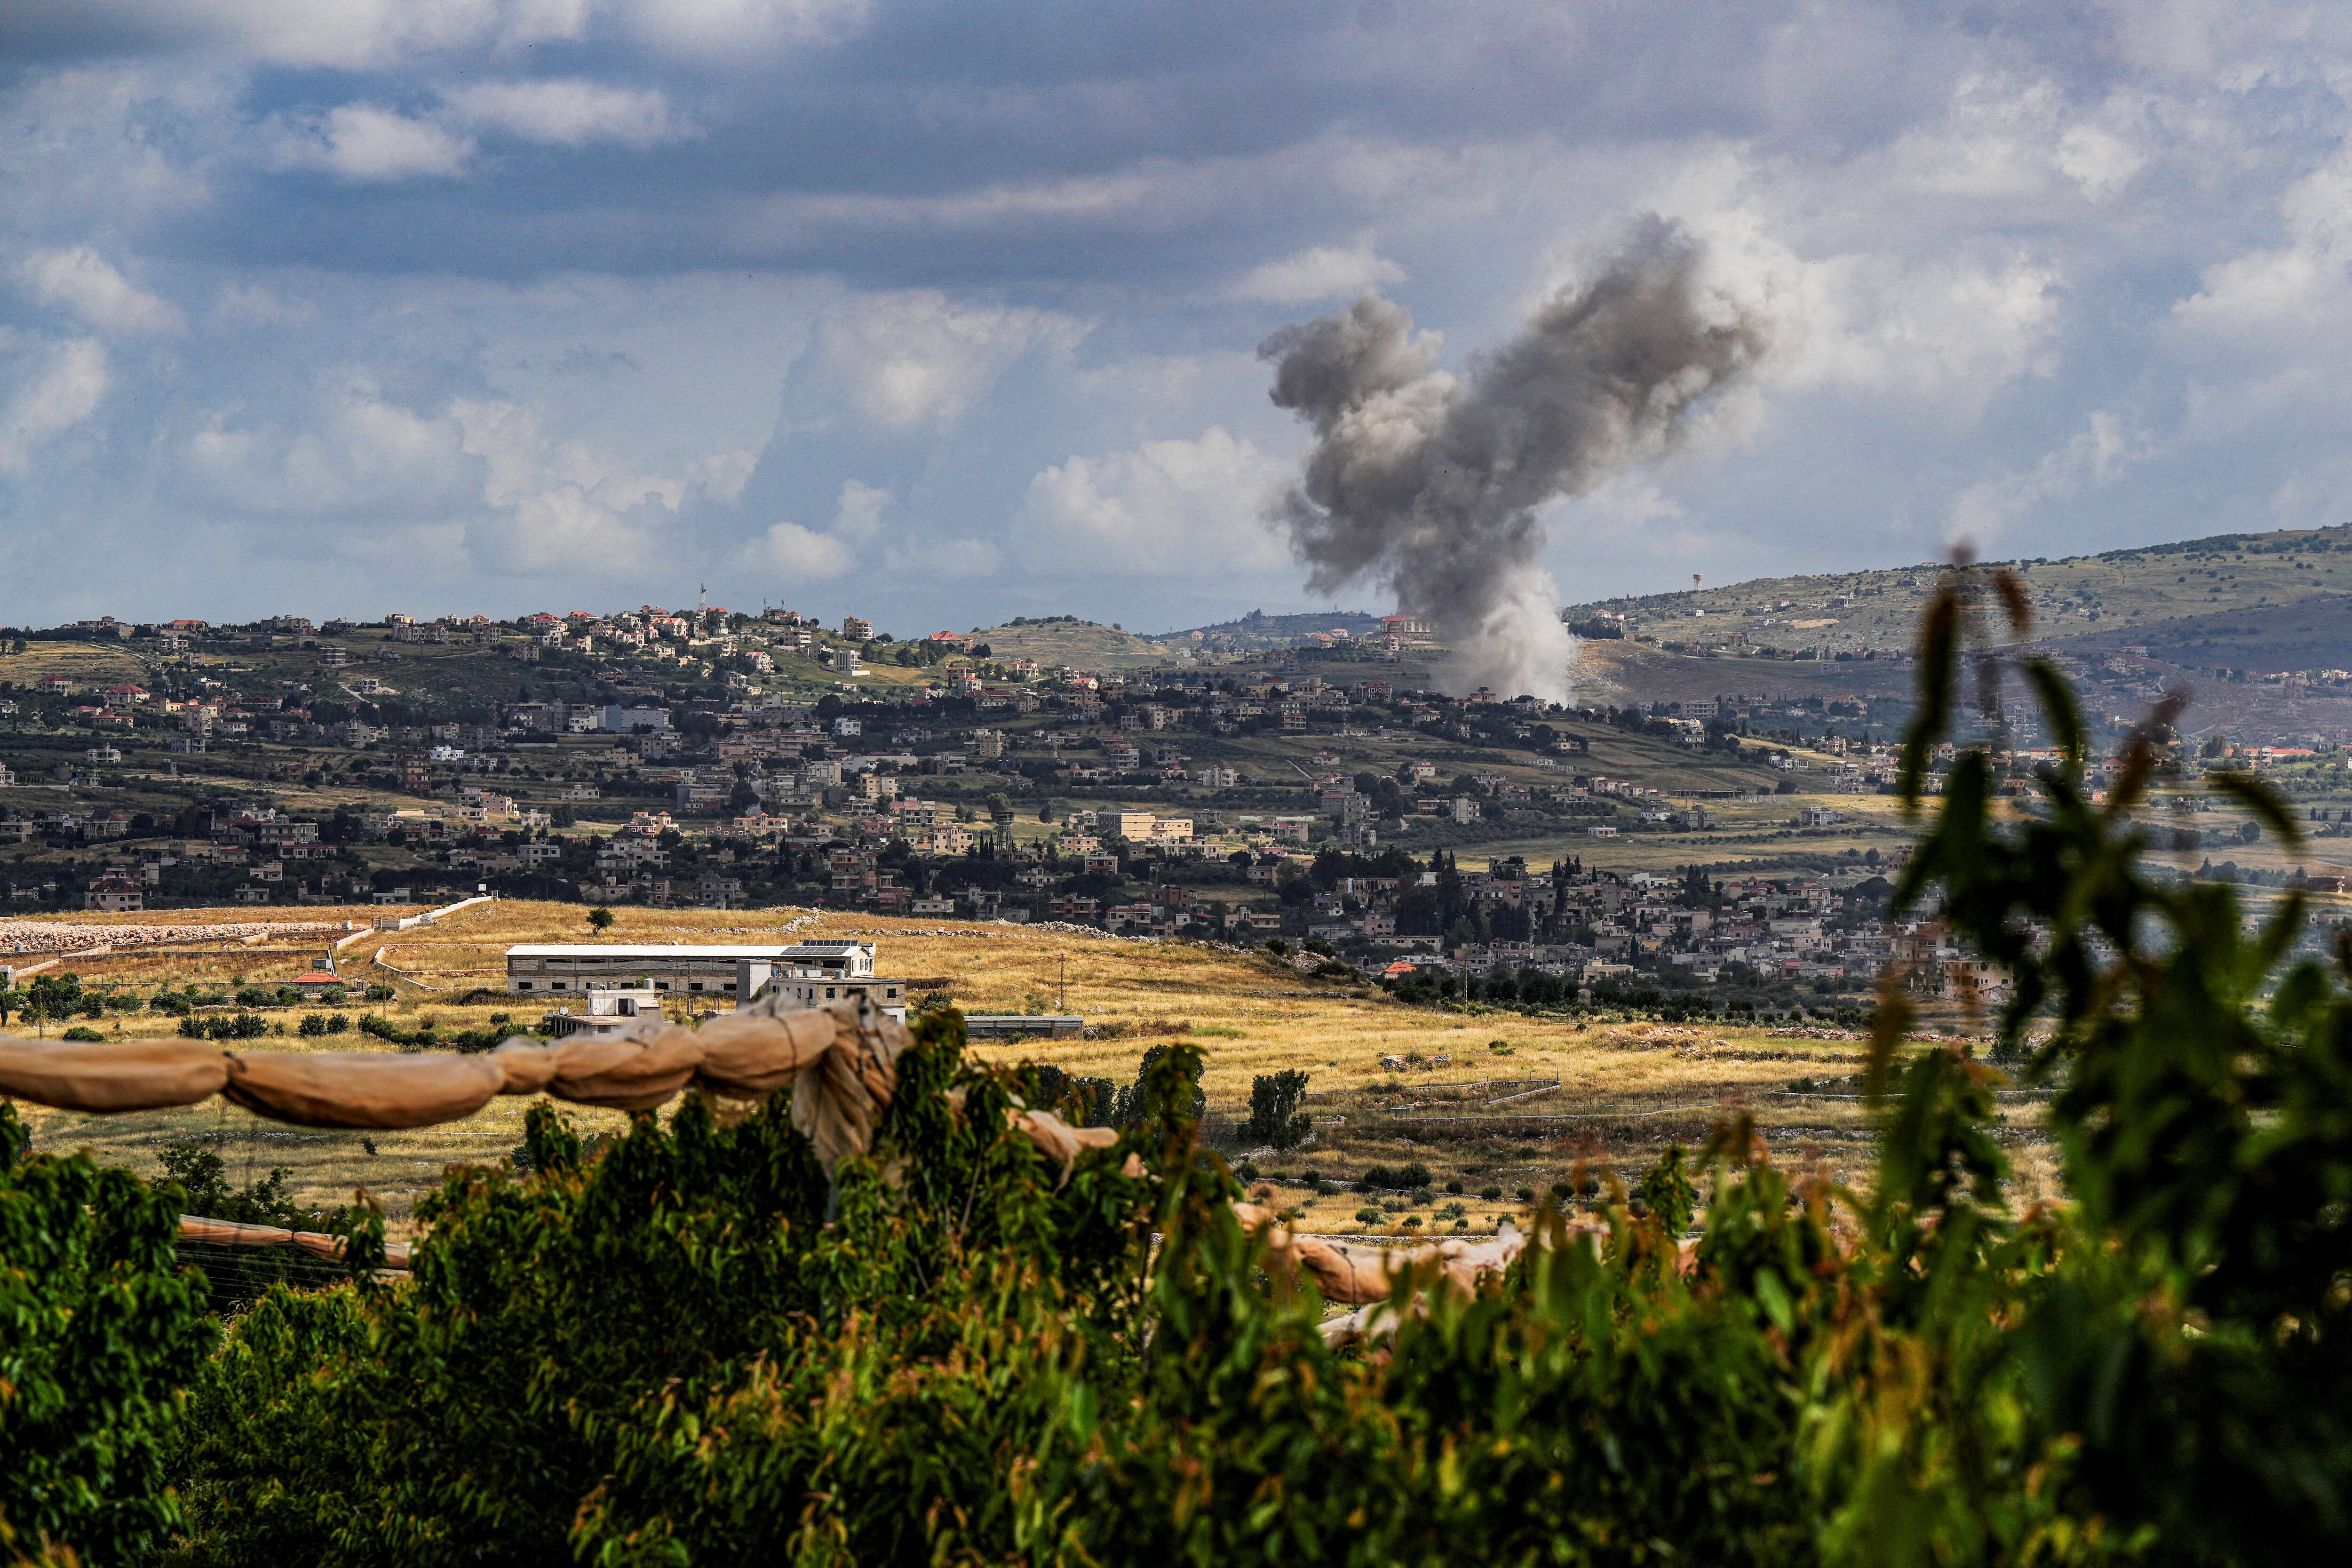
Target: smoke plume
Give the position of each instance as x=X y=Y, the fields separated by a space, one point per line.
x=1432 y=484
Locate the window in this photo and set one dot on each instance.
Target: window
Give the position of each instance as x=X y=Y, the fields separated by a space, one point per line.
x=728 y=985
x=661 y=985
x=522 y=984
x=828 y=992
x=556 y=985
x=694 y=986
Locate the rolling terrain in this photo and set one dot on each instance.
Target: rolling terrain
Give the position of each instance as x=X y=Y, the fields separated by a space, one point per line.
x=2247 y=581
x=1624 y=1089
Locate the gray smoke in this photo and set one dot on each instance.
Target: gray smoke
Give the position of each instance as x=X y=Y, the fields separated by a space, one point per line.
x=1432 y=484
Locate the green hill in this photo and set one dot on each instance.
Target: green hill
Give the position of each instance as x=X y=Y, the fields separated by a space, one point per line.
x=2165 y=590
x=1065 y=639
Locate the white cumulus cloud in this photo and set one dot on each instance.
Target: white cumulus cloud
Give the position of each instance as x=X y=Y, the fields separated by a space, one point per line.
x=789 y=551
x=1325 y=273
x=83 y=281
x=62 y=391
x=363 y=145
x=2108 y=445
x=571 y=113
x=1190 y=509
x=917 y=357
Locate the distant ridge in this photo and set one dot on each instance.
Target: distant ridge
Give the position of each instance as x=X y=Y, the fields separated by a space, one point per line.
x=1258 y=629
x=2140 y=589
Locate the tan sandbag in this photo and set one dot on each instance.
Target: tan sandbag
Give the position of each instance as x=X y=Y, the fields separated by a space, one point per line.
x=230 y=1233
x=527 y=1066
x=363 y=1089
x=751 y=1055
x=111 y=1076
x=1358 y=1275
x=636 y=1071
x=838 y=1102
x=1057 y=1139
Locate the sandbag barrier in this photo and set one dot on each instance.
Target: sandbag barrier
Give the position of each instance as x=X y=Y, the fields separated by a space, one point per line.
x=317 y=1243
x=840 y=1061
x=1365 y=1278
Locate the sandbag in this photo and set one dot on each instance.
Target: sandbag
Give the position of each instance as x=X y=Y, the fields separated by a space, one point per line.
x=112 y=1076
x=230 y=1233
x=527 y=1066
x=749 y=1055
x=837 y=1103
x=361 y=1089
x=1056 y=1138
x=1358 y=1275
x=636 y=1071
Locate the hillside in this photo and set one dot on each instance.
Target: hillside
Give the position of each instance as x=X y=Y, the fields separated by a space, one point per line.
x=1257 y=630
x=1065 y=639
x=2233 y=595
x=1636 y=1085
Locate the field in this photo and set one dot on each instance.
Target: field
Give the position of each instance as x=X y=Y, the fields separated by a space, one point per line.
x=1623 y=1090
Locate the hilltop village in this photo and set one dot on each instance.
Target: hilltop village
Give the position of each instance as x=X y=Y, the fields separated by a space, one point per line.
x=1291 y=781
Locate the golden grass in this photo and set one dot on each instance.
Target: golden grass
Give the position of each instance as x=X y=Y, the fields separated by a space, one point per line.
x=1625 y=1089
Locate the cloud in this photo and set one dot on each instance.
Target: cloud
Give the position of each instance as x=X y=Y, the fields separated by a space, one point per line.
x=571 y=113
x=363 y=456
x=2108 y=445
x=953 y=560
x=65 y=390
x=340 y=35
x=363 y=144
x=918 y=358
x=720 y=30
x=87 y=284
x=796 y=553
x=1178 y=508
x=261 y=306
x=1324 y=272
x=2285 y=291
x=1954 y=329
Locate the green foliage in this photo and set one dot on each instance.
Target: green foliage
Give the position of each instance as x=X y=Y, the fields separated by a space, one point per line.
x=1275 y=1117
x=99 y=1333
x=427 y=1036
x=240 y=1025
x=687 y=1345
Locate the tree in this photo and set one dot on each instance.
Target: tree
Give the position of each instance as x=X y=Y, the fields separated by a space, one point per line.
x=599 y=919
x=53 y=996
x=1275 y=1117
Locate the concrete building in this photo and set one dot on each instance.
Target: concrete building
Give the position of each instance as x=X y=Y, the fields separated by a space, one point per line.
x=813 y=973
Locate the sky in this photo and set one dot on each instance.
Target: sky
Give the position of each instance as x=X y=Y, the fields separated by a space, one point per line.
x=942 y=313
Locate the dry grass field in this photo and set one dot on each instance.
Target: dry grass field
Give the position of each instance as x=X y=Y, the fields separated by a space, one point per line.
x=1591 y=1096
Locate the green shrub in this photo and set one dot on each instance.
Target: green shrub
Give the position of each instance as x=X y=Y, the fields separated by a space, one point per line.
x=99 y=1332
x=694 y=1345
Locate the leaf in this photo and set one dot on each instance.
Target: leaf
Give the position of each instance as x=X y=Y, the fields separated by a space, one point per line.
x=2015 y=600
x=2058 y=703
x=1938 y=653
x=2262 y=802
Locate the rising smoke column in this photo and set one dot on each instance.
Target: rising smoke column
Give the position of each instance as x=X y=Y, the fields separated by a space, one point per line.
x=1433 y=484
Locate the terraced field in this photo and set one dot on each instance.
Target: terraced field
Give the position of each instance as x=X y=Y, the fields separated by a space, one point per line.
x=1588 y=1095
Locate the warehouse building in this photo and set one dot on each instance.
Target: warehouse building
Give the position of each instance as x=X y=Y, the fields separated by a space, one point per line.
x=811 y=972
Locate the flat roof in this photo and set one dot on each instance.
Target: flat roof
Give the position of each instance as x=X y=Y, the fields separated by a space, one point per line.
x=650 y=950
